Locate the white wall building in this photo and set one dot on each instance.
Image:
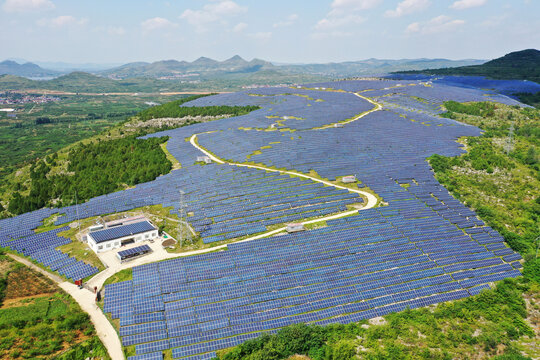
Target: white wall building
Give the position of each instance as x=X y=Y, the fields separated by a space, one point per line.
x=115 y=237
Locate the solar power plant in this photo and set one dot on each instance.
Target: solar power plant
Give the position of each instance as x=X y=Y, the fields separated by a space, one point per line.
x=422 y=247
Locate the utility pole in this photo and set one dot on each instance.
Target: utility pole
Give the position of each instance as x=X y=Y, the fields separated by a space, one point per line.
x=183 y=231
x=509 y=146
x=77 y=211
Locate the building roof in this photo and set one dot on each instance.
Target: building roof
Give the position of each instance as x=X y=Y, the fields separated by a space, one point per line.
x=121 y=231
x=134 y=251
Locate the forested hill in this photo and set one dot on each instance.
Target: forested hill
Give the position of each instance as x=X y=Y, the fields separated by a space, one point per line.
x=518 y=65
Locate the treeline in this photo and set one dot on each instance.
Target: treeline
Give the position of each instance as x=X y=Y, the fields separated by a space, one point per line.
x=174 y=109
x=483 y=109
x=94 y=169
x=529 y=98
x=489 y=323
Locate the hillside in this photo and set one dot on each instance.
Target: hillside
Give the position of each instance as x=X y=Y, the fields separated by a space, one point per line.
x=82 y=82
x=182 y=69
x=519 y=65
x=28 y=69
x=374 y=66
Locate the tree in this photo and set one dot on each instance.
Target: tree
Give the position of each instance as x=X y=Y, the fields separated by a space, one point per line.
x=532 y=157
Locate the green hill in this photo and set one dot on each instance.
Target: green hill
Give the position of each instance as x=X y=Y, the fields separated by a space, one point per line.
x=87 y=83
x=520 y=65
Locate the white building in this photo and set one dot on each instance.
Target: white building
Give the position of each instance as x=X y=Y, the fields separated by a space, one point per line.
x=205 y=159
x=295 y=227
x=117 y=236
x=348 y=179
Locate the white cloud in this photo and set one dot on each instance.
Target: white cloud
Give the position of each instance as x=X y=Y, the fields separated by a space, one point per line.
x=465 y=4
x=27 y=5
x=342 y=14
x=239 y=27
x=157 y=23
x=291 y=19
x=438 y=24
x=61 y=21
x=353 y=5
x=412 y=28
x=116 y=30
x=408 y=7
x=332 y=22
x=212 y=12
x=261 y=35
x=330 y=34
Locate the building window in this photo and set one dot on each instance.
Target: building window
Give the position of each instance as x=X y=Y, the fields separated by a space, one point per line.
x=100 y=247
x=146 y=236
x=108 y=245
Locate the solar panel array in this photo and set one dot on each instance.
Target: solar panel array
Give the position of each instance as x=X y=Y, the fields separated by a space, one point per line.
x=379 y=261
x=42 y=248
x=122 y=231
x=134 y=251
x=425 y=247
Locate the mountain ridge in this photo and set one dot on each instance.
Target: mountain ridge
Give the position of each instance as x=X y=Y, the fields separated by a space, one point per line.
x=517 y=65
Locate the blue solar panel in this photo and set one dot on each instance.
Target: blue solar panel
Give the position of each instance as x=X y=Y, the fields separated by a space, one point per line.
x=425 y=247
x=121 y=231
x=133 y=251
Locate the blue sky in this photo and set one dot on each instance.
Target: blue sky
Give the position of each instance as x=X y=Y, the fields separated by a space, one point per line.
x=105 y=31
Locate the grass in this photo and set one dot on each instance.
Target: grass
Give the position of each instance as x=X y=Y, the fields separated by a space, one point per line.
x=122 y=275
x=175 y=163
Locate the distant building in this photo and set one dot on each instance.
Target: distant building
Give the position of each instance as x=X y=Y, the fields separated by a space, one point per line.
x=291 y=228
x=348 y=179
x=122 y=234
x=204 y=159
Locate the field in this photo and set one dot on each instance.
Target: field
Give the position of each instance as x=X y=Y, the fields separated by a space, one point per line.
x=400 y=266
x=62 y=123
x=40 y=321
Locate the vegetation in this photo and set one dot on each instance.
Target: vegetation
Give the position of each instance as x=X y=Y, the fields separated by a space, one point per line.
x=93 y=169
x=41 y=321
x=478 y=327
x=80 y=82
x=530 y=99
x=42 y=129
x=519 y=65
x=174 y=109
x=500 y=181
x=122 y=275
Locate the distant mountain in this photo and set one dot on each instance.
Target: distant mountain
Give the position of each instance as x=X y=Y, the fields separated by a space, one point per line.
x=85 y=83
x=519 y=65
x=81 y=82
x=203 y=67
x=371 y=67
x=29 y=70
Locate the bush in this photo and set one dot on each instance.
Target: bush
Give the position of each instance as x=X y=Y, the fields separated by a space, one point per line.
x=531 y=270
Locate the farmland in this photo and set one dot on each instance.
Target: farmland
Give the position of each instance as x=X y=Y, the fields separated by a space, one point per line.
x=42 y=129
x=402 y=254
x=40 y=321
